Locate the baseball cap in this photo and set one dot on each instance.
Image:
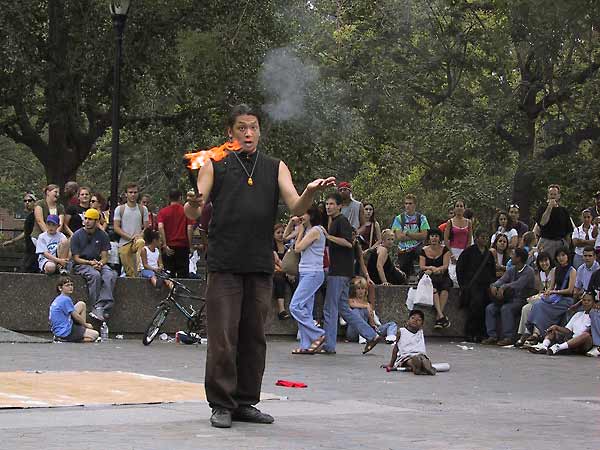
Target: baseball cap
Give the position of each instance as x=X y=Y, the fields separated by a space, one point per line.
x=92 y=214
x=53 y=218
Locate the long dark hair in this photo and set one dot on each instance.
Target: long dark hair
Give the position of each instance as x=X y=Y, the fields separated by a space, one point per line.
x=509 y=222
x=314 y=215
x=506 y=252
x=373 y=219
x=560 y=272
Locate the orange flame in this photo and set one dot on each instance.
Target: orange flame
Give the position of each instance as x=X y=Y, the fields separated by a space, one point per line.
x=201 y=157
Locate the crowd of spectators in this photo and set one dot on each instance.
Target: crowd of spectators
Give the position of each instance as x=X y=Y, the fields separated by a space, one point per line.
x=519 y=287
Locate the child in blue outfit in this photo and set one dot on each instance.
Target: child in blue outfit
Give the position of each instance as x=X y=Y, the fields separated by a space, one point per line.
x=67 y=321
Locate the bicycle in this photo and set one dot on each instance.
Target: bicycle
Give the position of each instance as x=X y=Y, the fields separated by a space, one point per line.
x=177 y=292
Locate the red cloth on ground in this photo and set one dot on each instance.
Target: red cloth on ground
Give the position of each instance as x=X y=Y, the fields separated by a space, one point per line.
x=175 y=222
x=291 y=384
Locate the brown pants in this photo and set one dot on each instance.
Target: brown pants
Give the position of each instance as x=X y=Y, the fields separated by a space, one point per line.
x=236 y=308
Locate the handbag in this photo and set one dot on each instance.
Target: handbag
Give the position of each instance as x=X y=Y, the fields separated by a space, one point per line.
x=290 y=261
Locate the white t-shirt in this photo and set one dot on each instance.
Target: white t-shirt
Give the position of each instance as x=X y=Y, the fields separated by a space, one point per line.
x=578 y=233
x=152 y=258
x=410 y=344
x=131 y=221
x=509 y=234
x=579 y=323
x=48 y=243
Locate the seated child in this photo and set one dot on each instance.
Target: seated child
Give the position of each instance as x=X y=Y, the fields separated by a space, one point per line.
x=575 y=336
x=359 y=304
x=67 y=321
x=151 y=260
x=52 y=248
x=409 y=350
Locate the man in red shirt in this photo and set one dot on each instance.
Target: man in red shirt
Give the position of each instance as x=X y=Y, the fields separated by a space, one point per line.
x=176 y=236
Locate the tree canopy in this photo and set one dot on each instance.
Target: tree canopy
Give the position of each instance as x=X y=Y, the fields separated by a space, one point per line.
x=489 y=101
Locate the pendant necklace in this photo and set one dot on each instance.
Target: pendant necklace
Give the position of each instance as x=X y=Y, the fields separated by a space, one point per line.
x=250 y=180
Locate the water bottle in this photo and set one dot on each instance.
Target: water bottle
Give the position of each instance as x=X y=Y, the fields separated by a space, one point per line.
x=104 y=331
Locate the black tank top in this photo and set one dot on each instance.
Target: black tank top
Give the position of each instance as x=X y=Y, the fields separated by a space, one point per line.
x=240 y=234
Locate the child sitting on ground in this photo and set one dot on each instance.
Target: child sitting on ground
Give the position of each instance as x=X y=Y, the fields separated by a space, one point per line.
x=151 y=260
x=359 y=303
x=575 y=336
x=409 y=350
x=67 y=321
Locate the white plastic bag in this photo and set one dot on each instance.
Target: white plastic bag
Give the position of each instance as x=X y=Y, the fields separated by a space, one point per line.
x=452 y=274
x=410 y=298
x=424 y=293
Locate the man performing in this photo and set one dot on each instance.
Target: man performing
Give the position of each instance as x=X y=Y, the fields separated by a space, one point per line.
x=244 y=188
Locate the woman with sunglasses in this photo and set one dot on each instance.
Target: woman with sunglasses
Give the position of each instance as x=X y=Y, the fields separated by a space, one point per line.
x=29 y=261
x=98 y=202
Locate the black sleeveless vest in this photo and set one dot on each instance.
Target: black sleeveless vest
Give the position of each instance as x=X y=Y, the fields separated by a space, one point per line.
x=240 y=234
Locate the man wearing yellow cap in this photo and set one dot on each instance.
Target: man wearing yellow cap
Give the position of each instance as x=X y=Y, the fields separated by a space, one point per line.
x=90 y=246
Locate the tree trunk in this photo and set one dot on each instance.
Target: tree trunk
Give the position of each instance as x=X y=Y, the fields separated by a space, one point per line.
x=523 y=185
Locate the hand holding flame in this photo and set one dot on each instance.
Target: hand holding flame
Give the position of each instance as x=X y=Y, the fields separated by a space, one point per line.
x=201 y=157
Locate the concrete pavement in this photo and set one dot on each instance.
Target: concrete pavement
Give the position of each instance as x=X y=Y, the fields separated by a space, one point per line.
x=492 y=398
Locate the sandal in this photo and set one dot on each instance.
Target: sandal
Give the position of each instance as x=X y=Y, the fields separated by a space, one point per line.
x=322 y=351
x=522 y=340
x=371 y=344
x=316 y=345
x=532 y=340
x=302 y=351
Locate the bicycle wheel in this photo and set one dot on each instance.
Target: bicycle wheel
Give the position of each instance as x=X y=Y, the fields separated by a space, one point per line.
x=159 y=318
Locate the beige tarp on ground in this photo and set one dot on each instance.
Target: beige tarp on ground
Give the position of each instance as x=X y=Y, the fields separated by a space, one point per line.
x=51 y=389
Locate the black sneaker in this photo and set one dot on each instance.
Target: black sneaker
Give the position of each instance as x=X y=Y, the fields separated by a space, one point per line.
x=283 y=315
x=221 y=418
x=97 y=314
x=439 y=323
x=251 y=414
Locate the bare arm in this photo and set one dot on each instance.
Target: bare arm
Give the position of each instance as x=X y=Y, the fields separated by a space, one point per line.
x=298 y=204
x=546 y=216
x=39 y=219
x=67 y=228
x=447 y=234
x=570 y=287
x=103 y=257
x=78 y=318
x=290 y=231
x=144 y=258
x=382 y=256
x=305 y=240
x=339 y=241
x=362 y=220
x=13 y=240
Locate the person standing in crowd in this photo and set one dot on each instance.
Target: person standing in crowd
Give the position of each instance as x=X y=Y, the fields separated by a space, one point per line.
x=583 y=236
x=458 y=233
x=370 y=232
x=515 y=213
x=130 y=221
x=176 y=236
x=74 y=213
x=410 y=229
x=280 y=280
x=351 y=208
x=503 y=225
x=555 y=302
x=98 y=202
x=434 y=261
x=380 y=267
x=508 y=296
x=244 y=189
x=70 y=190
x=311 y=244
x=146 y=200
x=89 y=247
x=475 y=271
x=29 y=263
x=43 y=208
x=553 y=223
x=341 y=270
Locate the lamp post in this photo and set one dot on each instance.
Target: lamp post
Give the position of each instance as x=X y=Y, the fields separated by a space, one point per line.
x=118 y=10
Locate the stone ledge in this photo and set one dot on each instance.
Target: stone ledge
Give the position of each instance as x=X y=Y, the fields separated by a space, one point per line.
x=25 y=299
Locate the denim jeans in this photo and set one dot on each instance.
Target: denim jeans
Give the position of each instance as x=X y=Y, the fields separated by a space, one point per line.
x=508 y=312
x=387 y=329
x=336 y=304
x=595 y=319
x=302 y=304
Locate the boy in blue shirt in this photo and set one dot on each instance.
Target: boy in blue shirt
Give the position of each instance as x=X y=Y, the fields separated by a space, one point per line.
x=67 y=321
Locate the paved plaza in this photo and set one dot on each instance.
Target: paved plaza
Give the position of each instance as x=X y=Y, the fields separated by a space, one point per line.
x=492 y=398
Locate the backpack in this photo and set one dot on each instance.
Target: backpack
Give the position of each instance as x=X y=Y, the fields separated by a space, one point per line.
x=112 y=234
